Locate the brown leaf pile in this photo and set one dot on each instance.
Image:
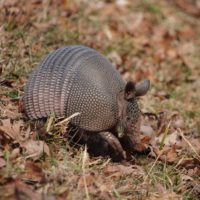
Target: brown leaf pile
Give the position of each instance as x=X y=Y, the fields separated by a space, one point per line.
x=155 y=40
x=33 y=148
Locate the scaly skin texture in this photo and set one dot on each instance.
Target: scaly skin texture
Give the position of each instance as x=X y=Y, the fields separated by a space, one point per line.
x=79 y=79
x=75 y=79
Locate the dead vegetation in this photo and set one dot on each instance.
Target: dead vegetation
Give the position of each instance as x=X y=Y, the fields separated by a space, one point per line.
x=156 y=40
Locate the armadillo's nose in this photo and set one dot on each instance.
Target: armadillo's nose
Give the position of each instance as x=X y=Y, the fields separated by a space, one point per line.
x=136 y=143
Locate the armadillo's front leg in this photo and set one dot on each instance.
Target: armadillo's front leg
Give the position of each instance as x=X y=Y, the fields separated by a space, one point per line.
x=114 y=143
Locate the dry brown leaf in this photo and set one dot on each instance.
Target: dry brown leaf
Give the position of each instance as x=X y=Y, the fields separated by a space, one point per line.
x=115 y=58
x=33 y=173
x=132 y=169
x=189 y=7
x=167 y=154
x=89 y=178
x=193 y=171
x=44 y=26
x=120 y=170
x=33 y=148
x=9 y=111
x=171 y=155
x=195 y=143
x=190 y=163
x=112 y=171
x=95 y=185
x=170 y=139
x=12 y=130
x=172 y=54
x=166 y=196
x=186 y=178
x=23 y=192
x=161 y=193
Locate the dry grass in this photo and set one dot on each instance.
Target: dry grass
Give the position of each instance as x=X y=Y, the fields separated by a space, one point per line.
x=148 y=39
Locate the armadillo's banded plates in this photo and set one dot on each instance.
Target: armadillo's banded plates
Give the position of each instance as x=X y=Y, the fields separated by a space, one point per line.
x=75 y=79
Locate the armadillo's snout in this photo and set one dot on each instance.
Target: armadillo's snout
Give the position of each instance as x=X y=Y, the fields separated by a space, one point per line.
x=131 y=114
x=133 y=136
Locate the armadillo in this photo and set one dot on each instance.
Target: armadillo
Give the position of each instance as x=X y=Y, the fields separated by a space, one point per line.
x=79 y=79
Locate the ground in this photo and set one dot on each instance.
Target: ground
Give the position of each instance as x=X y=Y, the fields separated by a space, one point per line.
x=157 y=40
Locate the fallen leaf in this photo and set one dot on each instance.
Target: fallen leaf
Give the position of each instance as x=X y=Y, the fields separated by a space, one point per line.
x=189 y=7
x=172 y=54
x=171 y=155
x=23 y=192
x=34 y=148
x=193 y=171
x=12 y=130
x=9 y=111
x=186 y=178
x=119 y=170
x=33 y=173
x=115 y=58
x=165 y=196
x=170 y=139
x=167 y=154
x=44 y=26
x=90 y=179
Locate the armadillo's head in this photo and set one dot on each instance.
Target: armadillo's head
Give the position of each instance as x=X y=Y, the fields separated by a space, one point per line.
x=130 y=114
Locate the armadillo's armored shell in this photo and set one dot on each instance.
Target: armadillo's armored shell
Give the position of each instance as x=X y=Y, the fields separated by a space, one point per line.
x=75 y=79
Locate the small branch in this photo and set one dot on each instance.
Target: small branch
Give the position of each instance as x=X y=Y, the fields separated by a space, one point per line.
x=83 y=168
x=190 y=145
x=153 y=166
x=66 y=120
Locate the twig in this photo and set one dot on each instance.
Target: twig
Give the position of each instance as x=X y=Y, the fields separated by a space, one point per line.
x=153 y=166
x=83 y=168
x=50 y=123
x=66 y=120
x=187 y=141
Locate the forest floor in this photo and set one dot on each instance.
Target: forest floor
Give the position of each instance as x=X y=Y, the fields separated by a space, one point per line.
x=157 y=40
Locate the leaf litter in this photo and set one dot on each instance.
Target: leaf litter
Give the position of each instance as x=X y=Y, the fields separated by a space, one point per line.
x=143 y=39
x=33 y=148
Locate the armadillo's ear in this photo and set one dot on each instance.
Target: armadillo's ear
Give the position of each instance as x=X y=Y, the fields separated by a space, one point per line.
x=129 y=91
x=142 y=88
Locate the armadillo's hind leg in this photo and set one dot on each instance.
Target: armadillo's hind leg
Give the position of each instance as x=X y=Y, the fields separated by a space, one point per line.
x=114 y=143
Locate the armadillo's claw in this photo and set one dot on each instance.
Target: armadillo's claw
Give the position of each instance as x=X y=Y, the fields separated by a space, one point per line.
x=114 y=143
